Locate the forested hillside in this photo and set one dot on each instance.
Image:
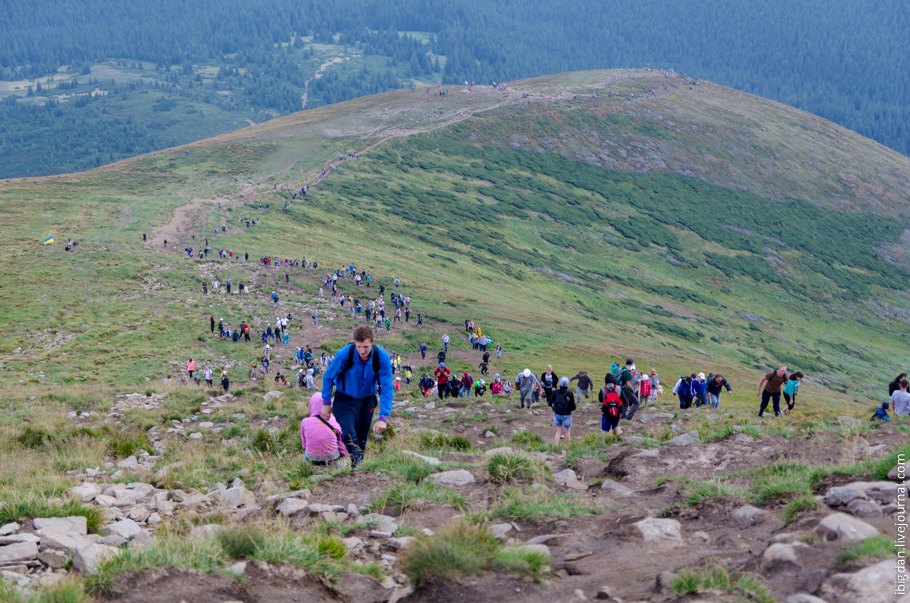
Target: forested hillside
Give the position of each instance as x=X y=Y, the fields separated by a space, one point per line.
x=141 y=76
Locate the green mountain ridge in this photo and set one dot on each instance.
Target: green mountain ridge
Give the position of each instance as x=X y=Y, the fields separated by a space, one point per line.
x=578 y=218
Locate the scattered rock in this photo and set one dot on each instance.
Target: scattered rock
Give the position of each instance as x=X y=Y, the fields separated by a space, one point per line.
x=9 y=528
x=603 y=593
x=567 y=478
x=398 y=544
x=864 y=508
x=846 y=528
x=238 y=496
x=898 y=473
x=87 y=559
x=685 y=439
x=426 y=459
x=780 y=555
x=494 y=451
x=383 y=523
x=292 y=506
x=130 y=462
x=545 y=538
x=456 y=477
x=749 y=515
x=86 y=492
x=19 y=551
x=613 y=487
x=72 y=525
x=804 y=598
x=654 y=529
x=840 y=496
x=195 y=436
x=501 y=530
x=874 y=584
x=352 y=542
x=361 y=588
x=272 y=395
x=126 y=528
x=489 y=434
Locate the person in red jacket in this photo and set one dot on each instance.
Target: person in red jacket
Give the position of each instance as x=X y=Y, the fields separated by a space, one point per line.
x=442 y=374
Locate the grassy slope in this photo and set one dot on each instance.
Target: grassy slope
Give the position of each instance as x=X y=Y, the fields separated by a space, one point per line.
x=133 y=313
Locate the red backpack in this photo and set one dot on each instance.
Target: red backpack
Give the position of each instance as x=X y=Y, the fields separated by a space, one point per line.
x=612 y=403
x=644 y=388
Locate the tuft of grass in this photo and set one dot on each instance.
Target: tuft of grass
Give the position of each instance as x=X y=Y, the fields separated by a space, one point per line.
x=874 y=548
x=718 y=579
x=509 y=468
x=527 y=439
x=466 y=549
x=262 y=441
x=67 y=591
x=14 y=508
x=239 y=543
x=537 y=505
x=698 y=492
x=34 y=437
x=800 y=504
x=402 y=497
x=441 y=441
x=127 y=443
x=410 y=468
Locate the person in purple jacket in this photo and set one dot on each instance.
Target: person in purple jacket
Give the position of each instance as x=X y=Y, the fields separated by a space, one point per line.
x=320 y=437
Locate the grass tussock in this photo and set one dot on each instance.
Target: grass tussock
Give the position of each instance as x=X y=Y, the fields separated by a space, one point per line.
x=14 y=508
x=444 y=442
x=531 y=505
x=318 y=553
x=511 y=468
x=745 y=586
x=466 y=549
x=875 y=548
x=405 y=496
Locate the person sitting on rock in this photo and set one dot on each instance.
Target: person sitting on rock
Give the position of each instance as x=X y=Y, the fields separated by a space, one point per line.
x=320 y=437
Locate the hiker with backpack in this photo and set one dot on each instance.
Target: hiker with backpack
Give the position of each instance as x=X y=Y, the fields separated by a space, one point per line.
x=628 y=386
x=881 y=413
x=320 y=437
x=563 y=404
x=769 y=389
x=360 y=373
x=610 y=406
x=716 y=384
x=683 y=389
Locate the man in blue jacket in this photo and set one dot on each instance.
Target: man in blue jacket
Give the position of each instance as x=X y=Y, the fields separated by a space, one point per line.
x=359 y=372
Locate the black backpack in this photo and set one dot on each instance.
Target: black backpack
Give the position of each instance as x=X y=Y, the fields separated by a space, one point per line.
x=561 y=402
x=350 y=363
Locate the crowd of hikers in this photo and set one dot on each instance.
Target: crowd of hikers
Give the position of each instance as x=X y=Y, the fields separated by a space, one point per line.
x=362 y=377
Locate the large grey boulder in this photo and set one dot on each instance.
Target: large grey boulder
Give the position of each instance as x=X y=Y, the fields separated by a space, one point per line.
x=291 y=506
x=845 y=528
x=748 y=515
x=658 y=530
x=874 y=584
x=567 y=478
x=86 y=492
x=685 y=439
x=615 y=488
x=125 y=528
x=784 y=556
x=17 y=552
x=87 y=559
x=74 y=525
x=456 y=477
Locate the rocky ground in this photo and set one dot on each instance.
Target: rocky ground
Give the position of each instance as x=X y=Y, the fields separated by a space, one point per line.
x=640 y=531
